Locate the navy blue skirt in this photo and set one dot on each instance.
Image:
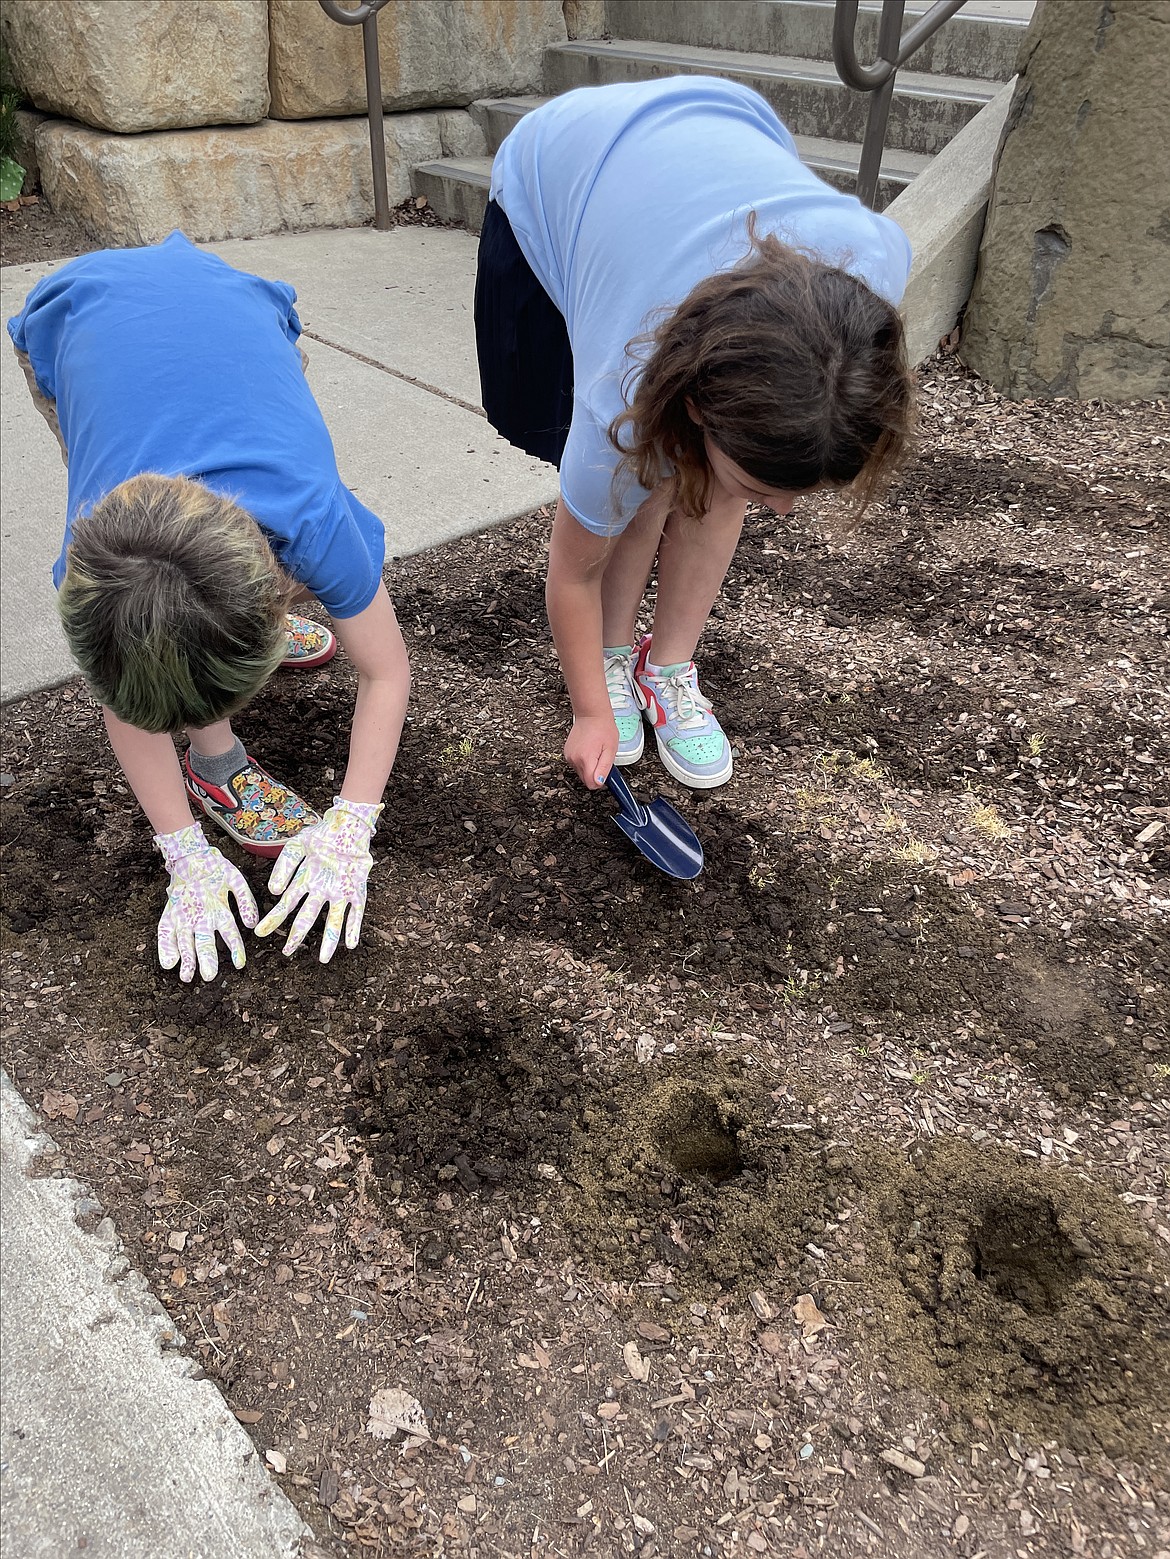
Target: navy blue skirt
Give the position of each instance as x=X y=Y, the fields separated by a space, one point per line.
x=525 y=360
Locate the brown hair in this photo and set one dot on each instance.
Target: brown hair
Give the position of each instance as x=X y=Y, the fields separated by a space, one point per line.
x=172 y=603
x=796 y=370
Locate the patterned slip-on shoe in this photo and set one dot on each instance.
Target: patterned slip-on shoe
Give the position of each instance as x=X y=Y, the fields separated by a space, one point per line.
x=627 y=709
x=259 y=813
x=690 y=740
x=309 y=643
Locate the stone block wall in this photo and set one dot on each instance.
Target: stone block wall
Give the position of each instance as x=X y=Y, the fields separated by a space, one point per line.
x=147 y=65
x=1072 y=295
x=230 y=118
x=431 y=53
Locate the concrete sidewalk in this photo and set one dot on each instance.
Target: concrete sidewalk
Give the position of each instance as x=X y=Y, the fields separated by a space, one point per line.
x=114 y=1443
x=391 y=347
x=111 y=1444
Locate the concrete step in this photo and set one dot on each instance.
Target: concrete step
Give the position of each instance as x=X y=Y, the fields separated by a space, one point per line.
x=457 y=187
x=926 y=111
x=496 y=116
x=835 y=161
x=981 y=41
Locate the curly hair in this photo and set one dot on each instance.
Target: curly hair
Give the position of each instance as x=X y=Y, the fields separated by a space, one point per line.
x=172 y=603
x=795 y=369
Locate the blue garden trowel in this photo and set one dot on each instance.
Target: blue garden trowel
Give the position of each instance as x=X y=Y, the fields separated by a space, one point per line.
x=658 y=831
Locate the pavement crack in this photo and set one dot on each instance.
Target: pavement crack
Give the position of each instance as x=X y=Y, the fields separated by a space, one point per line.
x=396 y=373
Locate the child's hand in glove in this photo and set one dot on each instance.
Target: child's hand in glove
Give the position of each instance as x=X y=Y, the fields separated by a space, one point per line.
x=331 y=861
x=197 y=905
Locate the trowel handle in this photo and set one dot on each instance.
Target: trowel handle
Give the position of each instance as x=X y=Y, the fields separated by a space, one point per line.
x=624 y=797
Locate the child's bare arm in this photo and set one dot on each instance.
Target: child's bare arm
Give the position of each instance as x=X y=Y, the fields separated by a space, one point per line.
x=576 y=564
x=151 y=766
x=326 y=867
x=373 y=642
x=201 y=880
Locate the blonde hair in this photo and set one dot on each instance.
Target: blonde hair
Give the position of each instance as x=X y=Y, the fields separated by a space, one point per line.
x=172 y=603
x=796 y=369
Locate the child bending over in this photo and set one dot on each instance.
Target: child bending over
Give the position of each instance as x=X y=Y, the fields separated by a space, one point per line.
x=682 y=317
x=204 y=501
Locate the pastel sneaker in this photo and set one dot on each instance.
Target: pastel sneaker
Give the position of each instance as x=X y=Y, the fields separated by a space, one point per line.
x=259 y=813
x=626 y=705
x=690 y=740
x=309 y=643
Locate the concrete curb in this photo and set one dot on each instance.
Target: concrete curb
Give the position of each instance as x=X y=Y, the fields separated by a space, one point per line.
x=115 y=1444
x=942 y=214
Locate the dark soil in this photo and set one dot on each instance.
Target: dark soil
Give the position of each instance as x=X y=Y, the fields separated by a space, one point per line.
x=30 y=232
x=818 y=1206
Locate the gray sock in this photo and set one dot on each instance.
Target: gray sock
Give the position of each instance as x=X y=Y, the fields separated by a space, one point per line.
x=218 y=768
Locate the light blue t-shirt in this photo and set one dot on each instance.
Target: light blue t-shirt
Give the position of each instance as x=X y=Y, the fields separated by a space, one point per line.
x=166 y=359
x=624 y=198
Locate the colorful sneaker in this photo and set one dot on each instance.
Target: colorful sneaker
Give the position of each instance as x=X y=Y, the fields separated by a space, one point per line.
x=260 y=814
x=626 y=705
x=690 y=740
x=309 y=643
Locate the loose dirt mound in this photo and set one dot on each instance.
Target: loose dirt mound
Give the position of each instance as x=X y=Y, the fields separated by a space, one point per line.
x=1025 y=1296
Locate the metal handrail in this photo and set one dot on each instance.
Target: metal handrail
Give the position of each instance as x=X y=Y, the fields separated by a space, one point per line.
x=894 y=50
x=366 y=14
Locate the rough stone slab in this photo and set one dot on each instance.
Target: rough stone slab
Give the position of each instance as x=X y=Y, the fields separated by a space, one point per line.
x=25 y=124
x=150 y=65
x=226 y=183
x=431 y=53
x=113 y=1445
x=942 y=214
x=1072 y=296
x=587 y=18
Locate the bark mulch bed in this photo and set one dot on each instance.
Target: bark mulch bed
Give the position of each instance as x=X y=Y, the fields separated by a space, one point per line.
x=816 y=1207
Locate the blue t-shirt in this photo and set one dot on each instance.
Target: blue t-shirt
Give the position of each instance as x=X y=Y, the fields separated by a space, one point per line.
x=624 y=198
x=168 y=360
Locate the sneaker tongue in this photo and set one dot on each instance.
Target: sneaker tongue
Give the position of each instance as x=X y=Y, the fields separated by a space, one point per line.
x=671 y=670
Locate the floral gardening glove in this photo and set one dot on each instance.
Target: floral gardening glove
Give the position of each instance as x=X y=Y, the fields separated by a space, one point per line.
x=197 y=905
x=327 y=863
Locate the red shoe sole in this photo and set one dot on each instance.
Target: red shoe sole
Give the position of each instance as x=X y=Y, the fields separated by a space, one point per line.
x=269 y=851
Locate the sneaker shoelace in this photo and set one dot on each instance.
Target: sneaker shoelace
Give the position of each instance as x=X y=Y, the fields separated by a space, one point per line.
x=619 y=684
x=685 y=705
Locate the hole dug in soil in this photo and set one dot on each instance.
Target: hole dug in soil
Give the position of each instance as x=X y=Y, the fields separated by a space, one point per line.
x=1025 y=1296
x=672 y=1178
x=696 y=1133
x=689 y=1179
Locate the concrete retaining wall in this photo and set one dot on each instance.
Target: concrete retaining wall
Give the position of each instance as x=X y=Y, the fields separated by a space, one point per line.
x=942 y=214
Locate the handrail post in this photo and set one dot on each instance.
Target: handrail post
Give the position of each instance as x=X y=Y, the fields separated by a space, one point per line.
x=893 y=51
x=889 y=37
x=366 y=14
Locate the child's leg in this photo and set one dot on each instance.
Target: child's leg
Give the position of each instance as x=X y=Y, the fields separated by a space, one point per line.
x=216 y=751
x=693 y=559
x=624 y=581
x=46 y=407
x=245 y=800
